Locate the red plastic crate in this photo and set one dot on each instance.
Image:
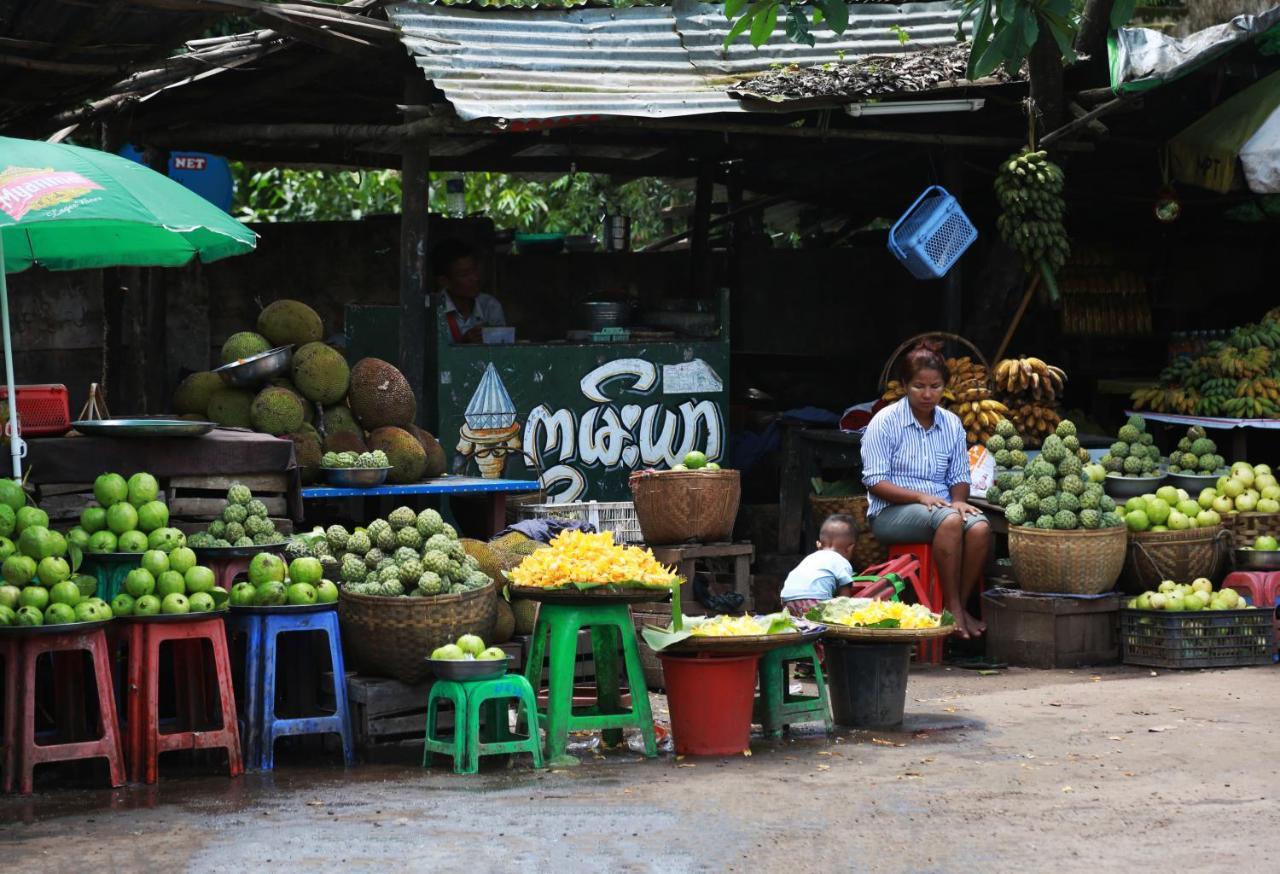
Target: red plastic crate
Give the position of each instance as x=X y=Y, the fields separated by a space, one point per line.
x=43 y=410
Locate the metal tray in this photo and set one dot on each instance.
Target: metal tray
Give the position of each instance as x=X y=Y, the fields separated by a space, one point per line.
x=215 y=552
x=66 y=628
x=746 y=644
x=285 y=608
x=256 y=369
x=1258 y=559
x=174 y=617
x=143 y=427
x=1192 y=482
x=355 y=477
x=463 y=670
x=1131 y=486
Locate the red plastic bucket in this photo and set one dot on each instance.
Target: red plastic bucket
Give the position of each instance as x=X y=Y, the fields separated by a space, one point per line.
x=710 y=698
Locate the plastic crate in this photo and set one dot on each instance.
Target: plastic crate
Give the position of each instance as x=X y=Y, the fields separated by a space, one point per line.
x=931 y=236
x=1203 y=639
x=43 y=410
x=616 y=516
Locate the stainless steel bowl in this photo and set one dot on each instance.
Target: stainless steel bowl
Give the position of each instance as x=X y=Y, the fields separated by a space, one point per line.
x=355 y=477
x=1258 y=559
x=256 y=369
x=463 y=669
x=1131 y=486
x=1194 y=483
x=601 y=314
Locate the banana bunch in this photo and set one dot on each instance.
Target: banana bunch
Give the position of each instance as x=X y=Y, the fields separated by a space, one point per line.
x=965 y=373
x=1173 y=399
x=980 y=417
x=1251 y=408
x=1244 y=365
x=1035 y=422
x=1264 y=334
x=1261 y=387
x=1030 y=376
x=1029 y=190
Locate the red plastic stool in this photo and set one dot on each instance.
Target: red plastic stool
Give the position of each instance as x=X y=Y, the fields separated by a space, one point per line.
x=1262 y=588
x=144 y=738
x=928 y=588
x=21 y=752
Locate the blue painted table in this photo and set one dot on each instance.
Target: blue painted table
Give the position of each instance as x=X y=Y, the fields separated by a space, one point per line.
x=495 y=489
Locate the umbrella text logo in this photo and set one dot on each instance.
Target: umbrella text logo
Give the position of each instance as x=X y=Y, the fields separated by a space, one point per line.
x=24 y=189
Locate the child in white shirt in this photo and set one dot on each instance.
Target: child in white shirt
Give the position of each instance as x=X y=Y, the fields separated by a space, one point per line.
x=826 y=573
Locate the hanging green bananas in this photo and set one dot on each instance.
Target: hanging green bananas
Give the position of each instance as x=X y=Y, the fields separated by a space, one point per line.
x=1029 y=190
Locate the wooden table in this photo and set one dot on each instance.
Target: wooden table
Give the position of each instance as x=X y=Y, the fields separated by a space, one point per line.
x=805 y=452
x=685 y=558
x=494 y=491
x=1239 y=428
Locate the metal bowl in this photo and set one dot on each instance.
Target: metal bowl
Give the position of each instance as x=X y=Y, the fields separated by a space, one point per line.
x=1258 y=559
x=601 y=314
x=1131 y=486
x=463 y=669
x=256 y=369
x=355 y=477
x=1194 y=483
x=143 y=427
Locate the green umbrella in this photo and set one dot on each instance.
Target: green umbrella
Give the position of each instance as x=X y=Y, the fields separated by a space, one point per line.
x=67 y=208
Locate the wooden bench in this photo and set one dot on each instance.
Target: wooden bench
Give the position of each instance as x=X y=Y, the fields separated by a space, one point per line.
x=685 y=558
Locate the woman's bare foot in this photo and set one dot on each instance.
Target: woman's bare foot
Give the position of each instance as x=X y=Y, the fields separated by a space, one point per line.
x=963 y=623
x=976 y=626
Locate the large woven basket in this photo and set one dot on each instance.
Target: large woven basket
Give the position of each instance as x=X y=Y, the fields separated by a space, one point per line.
x=393 y=636
x=867 y=551
x=682 y=506
x=1248 y=527
x=650 y=614
x=1181 y=556
x=1079 y=562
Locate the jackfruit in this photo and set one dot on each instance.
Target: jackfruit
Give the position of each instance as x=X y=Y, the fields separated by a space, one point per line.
x=276 y=411
x=308 y=408
x=487 y=558
x=345 y=441
x=290 y=322
x=525 y=612
x=321 y=373
x=306 y=446
x=408 y=458
x=504 y=623
x=193 y=393
x=243 y=345
x=437 y=462
x=338 y=418
x=380 y=395
x=229 y=407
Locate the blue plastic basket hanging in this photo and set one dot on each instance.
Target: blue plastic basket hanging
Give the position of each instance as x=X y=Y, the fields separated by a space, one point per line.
x=932 y=235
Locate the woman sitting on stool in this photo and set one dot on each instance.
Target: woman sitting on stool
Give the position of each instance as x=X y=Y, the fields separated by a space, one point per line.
x=915 y=464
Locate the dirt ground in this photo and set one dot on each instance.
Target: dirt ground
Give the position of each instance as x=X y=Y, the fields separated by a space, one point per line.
x=1021 y=771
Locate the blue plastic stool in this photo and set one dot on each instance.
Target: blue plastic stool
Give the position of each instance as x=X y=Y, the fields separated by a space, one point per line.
x=260 y=727
x=469 y=742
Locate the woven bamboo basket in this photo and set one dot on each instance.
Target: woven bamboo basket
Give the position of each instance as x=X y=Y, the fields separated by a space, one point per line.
x=682 y=506
x=1181 y=556
x=1248 y=527
x=1080 y=562
x=394 y=636
x=650 y=614
x=867 y=551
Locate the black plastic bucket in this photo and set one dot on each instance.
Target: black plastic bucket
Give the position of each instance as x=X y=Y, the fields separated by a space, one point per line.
x=868 y=683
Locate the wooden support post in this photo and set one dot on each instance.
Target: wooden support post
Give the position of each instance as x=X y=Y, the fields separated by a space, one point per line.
x=415 y=192
x=953 y=176
x=700 y=240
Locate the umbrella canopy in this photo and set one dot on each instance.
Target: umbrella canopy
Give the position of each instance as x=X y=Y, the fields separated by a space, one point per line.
x=1242 y=132
x=66 y=208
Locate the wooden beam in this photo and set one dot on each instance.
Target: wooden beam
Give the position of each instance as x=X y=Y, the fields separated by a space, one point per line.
x=700 y=273
x=415 y=197
x=1083 y=121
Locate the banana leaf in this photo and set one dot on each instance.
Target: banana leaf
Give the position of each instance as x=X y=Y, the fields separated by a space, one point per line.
x=661 y=638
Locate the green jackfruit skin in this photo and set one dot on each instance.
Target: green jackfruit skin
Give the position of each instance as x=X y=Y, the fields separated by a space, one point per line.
x=229 y=407
x=276 y=411
x=321 y=373
x=339 y=418
x=290 y=322
x=380 y=395
x=407 y=457
x=243 y=344
x=345 y=441
x=192 y=395
x=306 y=447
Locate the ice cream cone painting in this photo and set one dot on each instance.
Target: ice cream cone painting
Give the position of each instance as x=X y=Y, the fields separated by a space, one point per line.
x=490 y=431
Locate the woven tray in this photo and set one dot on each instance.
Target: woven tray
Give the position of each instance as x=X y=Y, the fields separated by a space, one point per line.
x=745 y=645
x=590 y=596
x=886 y=635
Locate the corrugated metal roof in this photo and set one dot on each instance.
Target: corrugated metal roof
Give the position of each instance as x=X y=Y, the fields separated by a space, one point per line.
x=652 y=62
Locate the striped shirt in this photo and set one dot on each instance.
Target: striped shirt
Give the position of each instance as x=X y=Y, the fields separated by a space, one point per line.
x=896 y=448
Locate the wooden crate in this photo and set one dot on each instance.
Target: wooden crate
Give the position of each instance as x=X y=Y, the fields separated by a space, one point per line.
x=64 y=501
x=203 y=497
x=1051 y=631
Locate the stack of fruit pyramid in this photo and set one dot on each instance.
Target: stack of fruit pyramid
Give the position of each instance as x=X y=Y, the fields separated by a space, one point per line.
x=243 y=522
x=407 y=554
x=1197 y=454
x=967 y=394
x=1134 y=453
x=1238 y=379
x=323 y=405
x=1058 y=490
x=1031 y=389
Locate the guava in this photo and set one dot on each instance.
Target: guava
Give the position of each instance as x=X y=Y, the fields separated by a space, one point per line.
x=267 y=568
x=201 y=602
x=110 y=489
x=175 y=603
x=301 y=594
x=155 y=561
x=140 y=582
x=147 y=605
x=60 y=614
x=306 y=570
x=122 y=604
x=142 y=488
x=93 y=519
x=182 y=559
x=152 y=515
x=242 y=595
x=200 y=579
x=102 y=542
x=449 y=653
x=695 y=460
x=471 y=644
x=170 y=583
x=326 y=592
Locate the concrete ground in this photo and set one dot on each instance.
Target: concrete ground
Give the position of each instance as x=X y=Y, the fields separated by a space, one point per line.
x=1116 y=769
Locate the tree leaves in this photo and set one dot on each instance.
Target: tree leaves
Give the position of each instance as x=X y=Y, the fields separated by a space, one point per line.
x=1006 y=30
x=761 y=19
x=1122 y=11
x=836 y=14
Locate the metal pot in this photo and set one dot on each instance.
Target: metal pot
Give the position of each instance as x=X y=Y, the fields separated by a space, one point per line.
x=601 y=314
x=617 y=233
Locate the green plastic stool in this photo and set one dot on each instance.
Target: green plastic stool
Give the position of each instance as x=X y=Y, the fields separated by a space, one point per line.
x=110 y=571
x=466 y=746
x=609 y=623
x=775 y=706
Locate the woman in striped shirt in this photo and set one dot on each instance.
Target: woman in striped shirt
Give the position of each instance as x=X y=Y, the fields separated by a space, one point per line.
x=915 y=464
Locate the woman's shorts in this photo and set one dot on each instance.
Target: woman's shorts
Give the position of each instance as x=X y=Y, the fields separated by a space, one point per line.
x=914 y=523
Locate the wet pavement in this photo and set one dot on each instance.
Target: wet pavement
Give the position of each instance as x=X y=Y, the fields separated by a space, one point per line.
x=1021 y=771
